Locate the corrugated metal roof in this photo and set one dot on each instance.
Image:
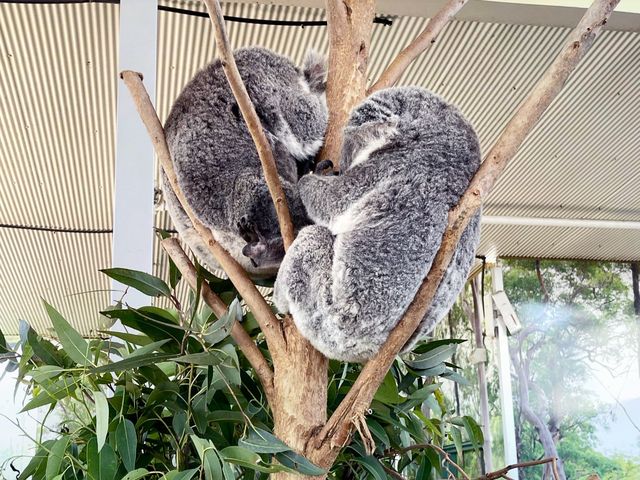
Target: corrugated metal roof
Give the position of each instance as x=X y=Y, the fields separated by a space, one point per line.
x=58 y=74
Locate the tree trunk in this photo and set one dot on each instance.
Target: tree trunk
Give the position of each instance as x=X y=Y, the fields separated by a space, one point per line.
x=544 y=434
x=350 y=23
x=300 y=385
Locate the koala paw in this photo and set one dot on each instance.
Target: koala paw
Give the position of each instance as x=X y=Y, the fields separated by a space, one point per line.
x=247 y=230
x=325 y=167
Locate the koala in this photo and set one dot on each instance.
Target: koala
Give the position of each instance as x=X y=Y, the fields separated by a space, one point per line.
x=217 y=164
x=408 y=156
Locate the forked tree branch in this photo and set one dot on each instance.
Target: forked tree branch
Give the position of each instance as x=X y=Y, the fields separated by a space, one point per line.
x=254 y=299
x=336 y=432
x=420 y=44
x=349 y=24
x=239 y=335
x=253 y=122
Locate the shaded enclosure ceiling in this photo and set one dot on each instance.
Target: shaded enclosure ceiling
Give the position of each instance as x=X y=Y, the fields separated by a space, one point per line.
x=58 y=74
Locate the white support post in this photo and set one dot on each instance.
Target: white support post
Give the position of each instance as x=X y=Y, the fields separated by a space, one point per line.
x=134 y=175
x=504 y=376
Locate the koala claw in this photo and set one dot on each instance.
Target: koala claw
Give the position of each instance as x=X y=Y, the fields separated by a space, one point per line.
x=322 y=166
x=247 y=230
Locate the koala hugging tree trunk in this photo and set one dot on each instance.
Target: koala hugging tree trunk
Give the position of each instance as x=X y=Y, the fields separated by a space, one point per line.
x=295 y=382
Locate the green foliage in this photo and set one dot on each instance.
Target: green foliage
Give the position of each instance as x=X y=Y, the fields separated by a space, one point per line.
x=176 y=401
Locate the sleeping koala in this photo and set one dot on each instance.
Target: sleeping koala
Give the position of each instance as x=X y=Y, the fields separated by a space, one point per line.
x=407 y=159
x=217 y=164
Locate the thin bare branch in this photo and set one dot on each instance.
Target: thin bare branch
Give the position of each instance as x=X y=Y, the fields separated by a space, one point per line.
x=419 y=45
x=350 y=24
x=256 y=302
x=448 y=459
x=253 y=122
x=239 y=335
x=392 y=473
x=503 y=471
x=338 y=429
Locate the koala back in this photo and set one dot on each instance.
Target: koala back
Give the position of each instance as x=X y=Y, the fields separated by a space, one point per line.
x=212 y=148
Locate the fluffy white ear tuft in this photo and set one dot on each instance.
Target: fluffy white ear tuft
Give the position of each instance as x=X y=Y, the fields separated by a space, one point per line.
x=315 y=71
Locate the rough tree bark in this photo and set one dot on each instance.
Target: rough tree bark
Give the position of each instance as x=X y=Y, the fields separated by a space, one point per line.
x=350 y=23
x=298 y=399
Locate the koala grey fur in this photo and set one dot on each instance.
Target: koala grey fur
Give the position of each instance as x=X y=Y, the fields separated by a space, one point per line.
x=217 y=164
x=407 y=159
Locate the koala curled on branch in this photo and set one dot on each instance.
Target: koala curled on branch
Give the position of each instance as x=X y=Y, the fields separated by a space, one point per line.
x=407 y=158
x=217 y=164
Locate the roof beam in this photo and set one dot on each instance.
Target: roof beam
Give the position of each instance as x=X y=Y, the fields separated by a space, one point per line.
x=486 y=11
x=560 y=222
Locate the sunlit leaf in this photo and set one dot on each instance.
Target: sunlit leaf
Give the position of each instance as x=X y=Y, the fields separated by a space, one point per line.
x=102 y=418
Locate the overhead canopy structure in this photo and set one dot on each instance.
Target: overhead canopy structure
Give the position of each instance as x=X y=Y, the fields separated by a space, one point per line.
x=572 y=192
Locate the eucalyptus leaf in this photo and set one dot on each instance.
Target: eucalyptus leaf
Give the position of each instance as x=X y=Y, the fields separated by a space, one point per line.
x=388 y=391
x=102 y=418
x=300 y=464
x=372 y=465
x=474 y=432
x=204 y=358
x=141 y=281
x=72 y=342
x=432 y=358
x=130 y=337
x=210 y=461
x=246 y=458
x=132 y=362
x=219 y=330
x=136 y=474
x=261 y=441
x=127 y=443
x=56 y=456
x=177 y=475
x=456 y=436
x=51 y=393
x=101 y=465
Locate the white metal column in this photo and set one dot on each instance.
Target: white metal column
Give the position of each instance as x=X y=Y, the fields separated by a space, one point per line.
x=504 y=376
x=134 y=175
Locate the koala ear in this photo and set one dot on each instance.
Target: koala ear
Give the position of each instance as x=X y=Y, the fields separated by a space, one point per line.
x=315 y=71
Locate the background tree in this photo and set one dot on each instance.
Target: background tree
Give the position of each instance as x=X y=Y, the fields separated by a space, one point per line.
x=575 y=315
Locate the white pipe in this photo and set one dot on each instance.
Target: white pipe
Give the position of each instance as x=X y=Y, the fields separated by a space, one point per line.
x=504 y=380
x=560 y=222
x=134 y=172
